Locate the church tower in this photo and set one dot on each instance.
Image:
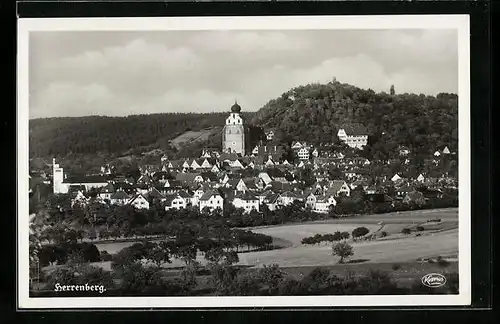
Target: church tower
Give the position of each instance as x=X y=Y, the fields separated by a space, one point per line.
x=233 y=134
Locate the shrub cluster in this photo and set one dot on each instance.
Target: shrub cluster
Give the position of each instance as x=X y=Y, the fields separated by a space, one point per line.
x=61 y=253
x=319 y=238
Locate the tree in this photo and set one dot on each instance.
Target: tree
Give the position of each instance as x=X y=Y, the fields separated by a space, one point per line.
x=343 y=250
x=392 y=91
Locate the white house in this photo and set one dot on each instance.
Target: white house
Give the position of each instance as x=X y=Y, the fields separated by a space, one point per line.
x=446 y=150
x=265 y=177
x=324 y=203
x=120 y=197
x=106 y=192
x=315 y=153
x=396 y=177
x=311 y=201
x=175 y=202
x=303 y=153
x=354 y=135
x=287 y=198
x=420 y=178
x=298 y=145
x=139 y=202
x=211 y=199
x=247 y=201
x=79 y=199
x=339 y=187
x=437 y=153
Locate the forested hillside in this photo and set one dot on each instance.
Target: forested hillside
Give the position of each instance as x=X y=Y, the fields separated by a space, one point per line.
x=115 y=135
x=314 y=112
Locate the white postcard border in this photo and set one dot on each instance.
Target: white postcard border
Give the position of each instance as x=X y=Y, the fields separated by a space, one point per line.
x=458 y=22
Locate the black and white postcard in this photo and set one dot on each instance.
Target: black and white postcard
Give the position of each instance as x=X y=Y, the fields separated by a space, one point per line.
x=305 y=161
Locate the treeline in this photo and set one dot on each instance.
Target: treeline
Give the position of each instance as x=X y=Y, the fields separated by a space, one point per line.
x=115 y=135
x=315 y=112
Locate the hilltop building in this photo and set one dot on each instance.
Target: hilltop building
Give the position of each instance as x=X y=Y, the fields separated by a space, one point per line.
x=233 y=134
x=354 y=135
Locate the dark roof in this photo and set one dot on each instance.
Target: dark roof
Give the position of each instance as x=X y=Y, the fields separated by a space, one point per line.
x=108 y=188
x=208 y=194
x=154 y=193
x=186 y=177
x=120 y=195
x=86 y=179
x=246 y=196
x=354 y=129
x=75 y=188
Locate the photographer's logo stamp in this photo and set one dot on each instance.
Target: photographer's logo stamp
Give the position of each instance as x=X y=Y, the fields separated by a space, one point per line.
x=433 y=280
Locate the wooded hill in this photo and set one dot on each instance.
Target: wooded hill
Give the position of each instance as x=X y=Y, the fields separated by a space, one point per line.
x=314 y=113
x=310 y=113
x=117 y=135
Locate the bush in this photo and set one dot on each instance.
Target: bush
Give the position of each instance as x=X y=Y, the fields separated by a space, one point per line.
x=396 y=266
x=360 y=231
x=406 y=231
x=419 y=228
x=383 y=234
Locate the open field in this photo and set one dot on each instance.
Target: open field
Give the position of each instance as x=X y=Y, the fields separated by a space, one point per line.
x=191 y=137
x=439 y=239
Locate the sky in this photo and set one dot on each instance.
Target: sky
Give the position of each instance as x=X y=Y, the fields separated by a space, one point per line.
x=119 y=73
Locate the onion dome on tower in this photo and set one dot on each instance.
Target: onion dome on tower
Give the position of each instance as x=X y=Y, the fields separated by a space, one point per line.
x=235 y=108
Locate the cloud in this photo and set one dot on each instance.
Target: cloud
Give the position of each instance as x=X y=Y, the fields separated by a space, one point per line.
x=248 y=42
x=206 y=71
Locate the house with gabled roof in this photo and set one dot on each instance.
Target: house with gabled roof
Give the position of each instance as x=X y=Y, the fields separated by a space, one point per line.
x=189 y=178
x=355 y=135
x=189 y=198
x=271 y=200
x=120 y=197
x=338 y=188
x=174 y=201
x=138 y=201
x=298 y=145
x=212 y=200
x=421 y=178
x=310 y=200
x=78 y=197
x=248 y=201
x=324 y=203
x=144 y=180
x=265 y=177
x=106 y=192
x=396 y=178
x=154 y=194
x=287 y=198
